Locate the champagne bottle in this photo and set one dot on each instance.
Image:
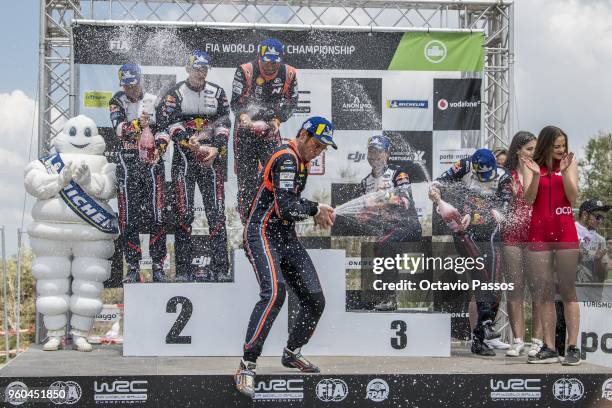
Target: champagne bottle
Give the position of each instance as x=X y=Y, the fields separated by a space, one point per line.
x=260 y=128
x=450 y=215
x=146 y=146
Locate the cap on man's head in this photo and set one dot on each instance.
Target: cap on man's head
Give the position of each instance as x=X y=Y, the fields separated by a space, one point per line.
x=321 y=129
x=484 y=164
x=199 y=59
x=129 y=74
x=379 y=142
x=271 y=50
x=590 y=206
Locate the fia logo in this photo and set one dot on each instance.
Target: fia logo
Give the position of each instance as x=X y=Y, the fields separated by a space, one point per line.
x=332 y=390
x=568 y=389
x=119 y=45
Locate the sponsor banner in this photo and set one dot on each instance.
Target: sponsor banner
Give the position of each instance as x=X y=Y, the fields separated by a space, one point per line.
x=595 y=330
x=407 y=104
x=347 y=77
x=357 y=103
x=229 y=48
x=457 y=104
x=412 y=151
x=306 y=48
x=439 y=52
x=373 y=390
x=97 y=99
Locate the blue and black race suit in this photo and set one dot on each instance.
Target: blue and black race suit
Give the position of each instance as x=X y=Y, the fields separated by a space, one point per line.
x=277 y=256
x=461 y=187
x=204 y=113
x=140 y=192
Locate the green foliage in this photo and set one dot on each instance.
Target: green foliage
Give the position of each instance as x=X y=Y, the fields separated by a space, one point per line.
x=596 y=173
x=27 y=309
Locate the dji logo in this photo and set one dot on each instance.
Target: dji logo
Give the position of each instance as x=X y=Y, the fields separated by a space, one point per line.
x=201 y=261
x=356 y=157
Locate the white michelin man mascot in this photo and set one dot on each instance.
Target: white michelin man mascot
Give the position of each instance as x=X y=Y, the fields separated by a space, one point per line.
x=73 y=230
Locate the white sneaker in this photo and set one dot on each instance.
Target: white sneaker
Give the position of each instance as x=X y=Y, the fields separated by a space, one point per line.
x=516 y=349
x=53 y=344
x=82 y=344
x=536 y=345
x=497 y=344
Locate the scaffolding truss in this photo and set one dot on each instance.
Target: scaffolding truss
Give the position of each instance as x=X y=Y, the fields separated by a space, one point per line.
x=494 y=17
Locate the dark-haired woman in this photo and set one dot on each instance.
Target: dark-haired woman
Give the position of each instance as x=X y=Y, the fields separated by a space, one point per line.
x=552 y=182
x=501 y=157
x=516 y=235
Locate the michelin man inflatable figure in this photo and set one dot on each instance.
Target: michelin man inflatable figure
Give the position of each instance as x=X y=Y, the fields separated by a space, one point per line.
x=73 y=229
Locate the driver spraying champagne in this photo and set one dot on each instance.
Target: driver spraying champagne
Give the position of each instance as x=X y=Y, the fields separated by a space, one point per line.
x=264 y=95
x=397 y=220
x=140 y=173
x=195 y=115
x=483 y=192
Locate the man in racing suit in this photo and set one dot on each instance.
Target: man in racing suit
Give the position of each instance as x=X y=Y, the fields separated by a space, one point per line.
x=483 y=192
x=278 y=257
x=140 y=184
x=195 y=115
x=398 y=222
x=264 y=95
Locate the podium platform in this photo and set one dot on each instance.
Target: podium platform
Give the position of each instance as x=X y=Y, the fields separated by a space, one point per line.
x=210 y=319
x=105 y=376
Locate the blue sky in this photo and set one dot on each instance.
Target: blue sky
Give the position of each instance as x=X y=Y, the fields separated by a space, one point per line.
x=19 y=46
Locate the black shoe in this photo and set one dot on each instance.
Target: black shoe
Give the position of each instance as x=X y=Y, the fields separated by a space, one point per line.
x=245 y=378
x=489 y=331
x=480 y=348
x=544 y=356
x=133 y=276
x=158 y=273
x=572 y=356
x=386 y=306
x=295 y=359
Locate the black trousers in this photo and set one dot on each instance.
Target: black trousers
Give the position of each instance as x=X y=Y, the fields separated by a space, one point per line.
x=251 y=152
x=141 y=200
x=186 y=173
x=279 y=259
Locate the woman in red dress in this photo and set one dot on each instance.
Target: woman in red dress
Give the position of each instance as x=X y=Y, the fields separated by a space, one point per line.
x=552 y=188
x=516 y=235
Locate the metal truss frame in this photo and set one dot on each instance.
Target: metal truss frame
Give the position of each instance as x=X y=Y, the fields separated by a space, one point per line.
x=57 y=81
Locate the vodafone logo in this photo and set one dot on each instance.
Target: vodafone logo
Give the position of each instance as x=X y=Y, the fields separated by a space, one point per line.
x=563 y=211
x=444 y=104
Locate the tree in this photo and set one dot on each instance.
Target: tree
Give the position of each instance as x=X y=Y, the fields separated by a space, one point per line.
x=596 y=173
